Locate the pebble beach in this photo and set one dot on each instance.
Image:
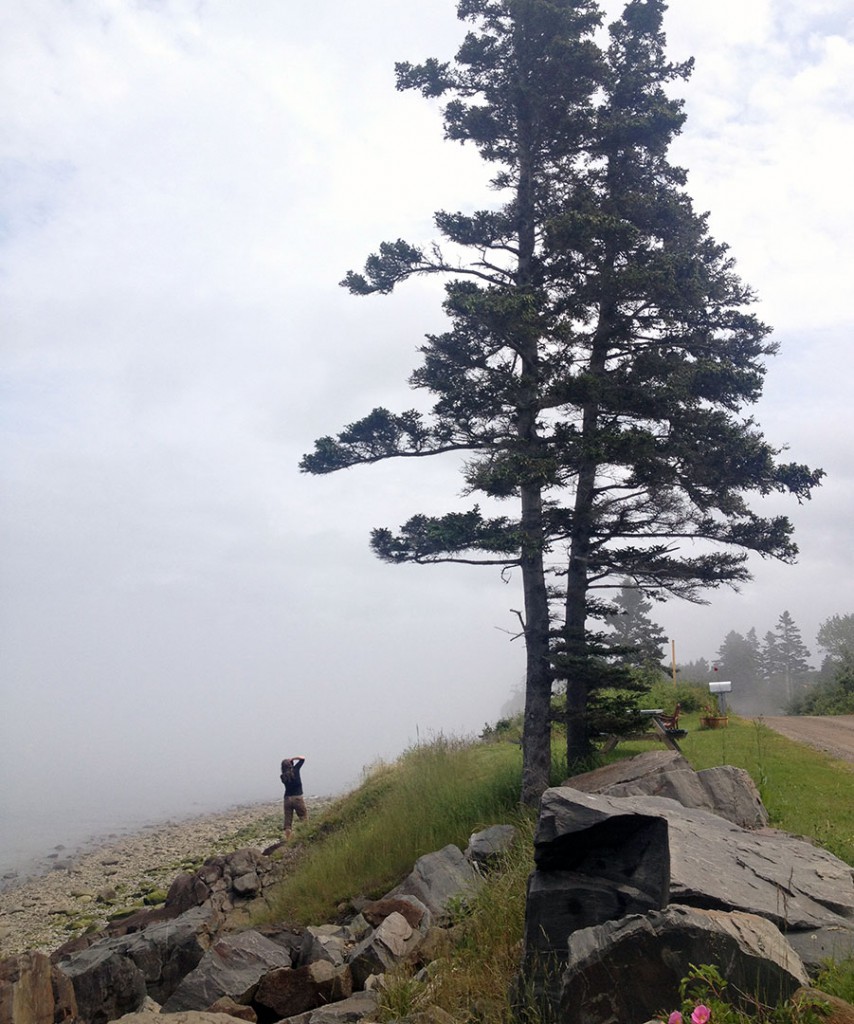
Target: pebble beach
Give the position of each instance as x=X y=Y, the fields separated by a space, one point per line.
x=86 y=888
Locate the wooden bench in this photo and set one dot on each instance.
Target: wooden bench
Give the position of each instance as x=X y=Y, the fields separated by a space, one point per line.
x=671 y=722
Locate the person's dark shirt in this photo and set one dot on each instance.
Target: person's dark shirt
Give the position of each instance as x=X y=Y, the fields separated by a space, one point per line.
x=291 y=778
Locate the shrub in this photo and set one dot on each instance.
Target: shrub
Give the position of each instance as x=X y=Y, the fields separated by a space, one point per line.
x=689 y=696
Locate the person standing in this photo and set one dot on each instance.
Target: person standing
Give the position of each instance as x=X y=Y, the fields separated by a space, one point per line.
x=294 y=802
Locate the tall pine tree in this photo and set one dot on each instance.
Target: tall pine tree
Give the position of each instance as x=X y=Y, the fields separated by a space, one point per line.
x=634 y=640
x=791 y=657
x=600 y=350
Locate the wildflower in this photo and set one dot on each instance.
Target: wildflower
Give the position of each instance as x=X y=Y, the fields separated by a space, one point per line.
x=675 y=1018
x=701 y=1014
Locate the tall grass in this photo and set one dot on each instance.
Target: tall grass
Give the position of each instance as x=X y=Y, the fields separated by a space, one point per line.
x=434 y=795
x=473 y=980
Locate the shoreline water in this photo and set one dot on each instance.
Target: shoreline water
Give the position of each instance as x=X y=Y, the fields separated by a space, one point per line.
x=108 y=875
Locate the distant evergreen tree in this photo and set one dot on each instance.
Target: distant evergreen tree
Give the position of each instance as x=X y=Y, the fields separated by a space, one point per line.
x=836 y=638
x=786 y=659
x=698 y=671
x=739 y=660
x=770 y=662
x=833 y=692
x=634 y=639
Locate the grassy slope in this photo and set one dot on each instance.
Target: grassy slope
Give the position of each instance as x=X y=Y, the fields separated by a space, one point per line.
x=434 y=795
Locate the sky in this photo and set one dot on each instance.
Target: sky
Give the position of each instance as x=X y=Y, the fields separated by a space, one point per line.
x=184 y=183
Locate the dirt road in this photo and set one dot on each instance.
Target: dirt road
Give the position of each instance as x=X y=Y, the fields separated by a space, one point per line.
x=833 y=736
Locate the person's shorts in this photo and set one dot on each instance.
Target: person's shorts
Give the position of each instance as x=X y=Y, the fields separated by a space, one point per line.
x=294 y=805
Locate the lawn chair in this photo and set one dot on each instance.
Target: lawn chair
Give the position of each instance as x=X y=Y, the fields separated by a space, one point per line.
x=671 y=722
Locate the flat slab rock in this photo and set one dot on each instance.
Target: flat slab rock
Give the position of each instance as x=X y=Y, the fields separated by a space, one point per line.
x=717 y=865
x=725 y=790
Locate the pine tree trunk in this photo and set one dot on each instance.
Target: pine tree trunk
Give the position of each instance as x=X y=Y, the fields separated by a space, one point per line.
x=578 y=680
x=536 y=734
x=536 y=730
x=575 y=622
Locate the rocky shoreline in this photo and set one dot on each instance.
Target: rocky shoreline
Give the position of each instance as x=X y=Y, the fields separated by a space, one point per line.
x=120 y=876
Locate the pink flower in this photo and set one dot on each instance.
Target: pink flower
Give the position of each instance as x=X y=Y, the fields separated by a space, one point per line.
x=701 y=1014
x=675 y=1018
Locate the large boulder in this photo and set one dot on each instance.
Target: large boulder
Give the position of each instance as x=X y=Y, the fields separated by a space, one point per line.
x=628 y=769
x=286 y=992
x=724 y=790
x=604 y=985
x=439 y=878
x=592 y=867
x=232 y=967
x=715 y=864
x=394 y=940
x=106 y=984
x=167 y=951
x=32 y=991
x=162 y=954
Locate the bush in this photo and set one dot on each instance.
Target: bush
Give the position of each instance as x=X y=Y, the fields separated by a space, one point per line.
x=706 y=998
x=690 y=697
x=831 y=697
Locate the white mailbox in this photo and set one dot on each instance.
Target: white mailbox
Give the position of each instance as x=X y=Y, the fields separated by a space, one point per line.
x=721 y=687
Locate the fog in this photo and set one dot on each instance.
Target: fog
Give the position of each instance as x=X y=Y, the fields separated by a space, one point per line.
x=184 y=186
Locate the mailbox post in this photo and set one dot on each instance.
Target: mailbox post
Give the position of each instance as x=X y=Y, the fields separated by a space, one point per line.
x=721 y=688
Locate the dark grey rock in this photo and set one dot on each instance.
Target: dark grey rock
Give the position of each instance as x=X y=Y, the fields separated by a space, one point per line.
x=594 y=864
x=487 y=846
x=106 y=984
x=167 y=951
x=439 y=878
x=627 y=972
x=287 y=992
x=717 y=865
x=231 y=967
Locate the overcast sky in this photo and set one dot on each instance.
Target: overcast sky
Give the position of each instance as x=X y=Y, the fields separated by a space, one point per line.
x=184 y=182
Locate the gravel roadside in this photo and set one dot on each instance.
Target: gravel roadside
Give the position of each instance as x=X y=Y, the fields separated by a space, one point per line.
x=832 y=735
x=44 y=912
